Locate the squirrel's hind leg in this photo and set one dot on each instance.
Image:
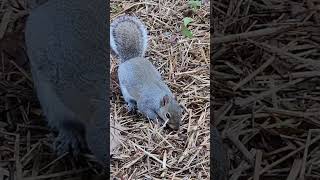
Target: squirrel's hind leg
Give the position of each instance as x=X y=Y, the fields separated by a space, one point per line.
x=71 y=138
x=59 y=117
x=131 y=103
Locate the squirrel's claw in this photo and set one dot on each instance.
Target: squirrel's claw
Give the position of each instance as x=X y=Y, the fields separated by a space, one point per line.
x=70 y=142
x=131 y=107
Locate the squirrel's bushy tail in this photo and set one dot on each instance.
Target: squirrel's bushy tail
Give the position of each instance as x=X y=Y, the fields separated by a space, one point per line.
x=128 y=37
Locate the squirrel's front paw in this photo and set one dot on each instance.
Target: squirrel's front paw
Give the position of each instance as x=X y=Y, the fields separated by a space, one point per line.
x=150 y=114
x=68 y=141
x=131 y=107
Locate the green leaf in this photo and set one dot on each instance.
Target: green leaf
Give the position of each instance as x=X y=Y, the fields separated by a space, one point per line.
x=195 y=4
x=116 y=9
x=186 y=21
x=186 y=32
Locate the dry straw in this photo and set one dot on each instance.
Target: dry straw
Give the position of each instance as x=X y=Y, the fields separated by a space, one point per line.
x=149 y=151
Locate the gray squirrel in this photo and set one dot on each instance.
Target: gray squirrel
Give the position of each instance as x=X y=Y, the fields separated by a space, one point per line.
x=67 y=47
x=141 y=84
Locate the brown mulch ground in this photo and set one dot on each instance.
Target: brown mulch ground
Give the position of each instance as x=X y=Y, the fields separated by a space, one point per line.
x=266 y=91
x=25 y=140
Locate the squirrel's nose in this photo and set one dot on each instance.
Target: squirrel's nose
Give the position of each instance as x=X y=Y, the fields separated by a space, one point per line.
x=174 y=126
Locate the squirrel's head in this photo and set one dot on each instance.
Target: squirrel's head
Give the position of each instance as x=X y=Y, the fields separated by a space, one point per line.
x=170 y=111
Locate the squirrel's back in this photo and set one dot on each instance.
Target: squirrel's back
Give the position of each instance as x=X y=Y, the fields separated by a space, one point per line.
x=128 y=37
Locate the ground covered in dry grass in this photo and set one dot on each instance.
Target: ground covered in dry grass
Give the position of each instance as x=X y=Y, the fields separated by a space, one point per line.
x=266 y=86
x=148 y=151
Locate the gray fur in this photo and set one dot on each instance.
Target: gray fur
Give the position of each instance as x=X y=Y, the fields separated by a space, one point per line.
x=140 y=82
x=128 y=37
x=66 y=46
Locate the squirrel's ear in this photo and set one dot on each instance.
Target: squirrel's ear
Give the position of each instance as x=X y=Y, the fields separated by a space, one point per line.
x=165 y=100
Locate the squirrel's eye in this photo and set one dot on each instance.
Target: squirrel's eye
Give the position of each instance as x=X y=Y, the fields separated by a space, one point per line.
x=168 y=115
